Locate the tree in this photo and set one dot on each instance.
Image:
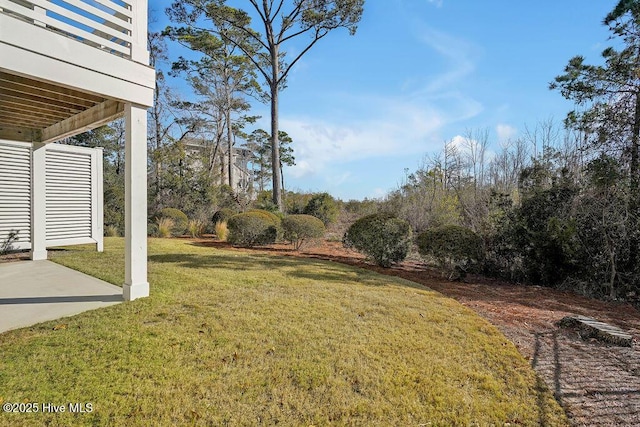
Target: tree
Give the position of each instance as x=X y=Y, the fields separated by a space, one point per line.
x=610 y=97
x=259 y=142
x=265 y=50
x=223 y=74
x=161 y=120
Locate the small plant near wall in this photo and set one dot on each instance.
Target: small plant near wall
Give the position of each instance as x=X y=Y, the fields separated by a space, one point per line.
x=6 y=245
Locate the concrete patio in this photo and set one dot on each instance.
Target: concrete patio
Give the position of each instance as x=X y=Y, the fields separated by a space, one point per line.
x=37 y=291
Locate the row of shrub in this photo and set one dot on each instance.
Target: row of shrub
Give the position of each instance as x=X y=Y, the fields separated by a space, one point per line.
x=383 y=237
x=387 y=240
x=260 y=227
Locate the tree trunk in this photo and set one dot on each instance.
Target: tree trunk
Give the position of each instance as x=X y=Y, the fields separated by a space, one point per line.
x=230 y=142
x=634 y=193
x=275 y=143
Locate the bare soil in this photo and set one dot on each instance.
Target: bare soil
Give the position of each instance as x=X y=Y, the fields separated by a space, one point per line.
x=597 y=384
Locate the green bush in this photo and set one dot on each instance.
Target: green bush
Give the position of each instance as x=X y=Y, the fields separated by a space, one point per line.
x=180 y=220
x=456 y=248
x=299 y=229
x=252 y=229
x=276 y=217
x=222 y=215
x=323 y=207
x=383 y=237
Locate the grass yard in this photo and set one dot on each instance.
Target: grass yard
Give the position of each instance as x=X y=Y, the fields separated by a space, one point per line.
x=229 y=338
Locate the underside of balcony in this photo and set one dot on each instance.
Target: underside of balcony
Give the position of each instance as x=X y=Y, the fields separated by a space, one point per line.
x=33 y=111
x=67 y=67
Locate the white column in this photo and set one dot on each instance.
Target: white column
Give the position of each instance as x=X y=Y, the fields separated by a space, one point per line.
x=38 y=202
x=98 y=200
x=135 y=281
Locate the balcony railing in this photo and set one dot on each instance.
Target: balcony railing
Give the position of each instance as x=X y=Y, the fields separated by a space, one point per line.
x=109 y=25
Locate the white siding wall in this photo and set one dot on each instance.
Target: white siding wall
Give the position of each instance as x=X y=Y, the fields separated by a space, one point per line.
x=15 y=193
x=73 y=194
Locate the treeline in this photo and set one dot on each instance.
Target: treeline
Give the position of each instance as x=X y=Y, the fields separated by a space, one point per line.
x=551 y=208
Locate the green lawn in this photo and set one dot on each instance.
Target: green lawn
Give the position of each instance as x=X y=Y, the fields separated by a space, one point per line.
x=229 y=338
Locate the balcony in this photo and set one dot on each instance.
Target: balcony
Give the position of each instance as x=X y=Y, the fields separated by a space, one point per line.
x=66 y=67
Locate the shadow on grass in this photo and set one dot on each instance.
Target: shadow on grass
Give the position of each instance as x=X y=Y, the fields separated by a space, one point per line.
x=303 y=268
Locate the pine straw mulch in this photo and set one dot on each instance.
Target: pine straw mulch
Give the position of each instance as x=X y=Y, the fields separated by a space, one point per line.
x=597 y=384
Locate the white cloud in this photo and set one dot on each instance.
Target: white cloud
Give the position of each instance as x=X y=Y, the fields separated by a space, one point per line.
x=505 y=132
x=459 y=54
x=437 y=3
x=398 y=128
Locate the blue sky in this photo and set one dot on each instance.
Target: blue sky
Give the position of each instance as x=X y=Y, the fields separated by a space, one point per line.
x=362 y=108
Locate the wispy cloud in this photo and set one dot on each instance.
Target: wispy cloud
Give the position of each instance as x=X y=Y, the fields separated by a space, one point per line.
x=395 y=127
x=400 y=124
x=459 y=54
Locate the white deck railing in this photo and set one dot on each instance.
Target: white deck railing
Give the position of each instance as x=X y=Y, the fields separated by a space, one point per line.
x=109 y=25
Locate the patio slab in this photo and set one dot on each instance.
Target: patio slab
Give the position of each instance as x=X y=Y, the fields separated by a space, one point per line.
x=38 y=291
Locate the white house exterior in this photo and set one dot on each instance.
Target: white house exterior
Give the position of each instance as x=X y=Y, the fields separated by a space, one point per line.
x=242 y=175
x=68 y=67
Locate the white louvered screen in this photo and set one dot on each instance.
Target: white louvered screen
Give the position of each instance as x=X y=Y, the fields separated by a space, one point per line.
x=15 y=192
x=69 y=195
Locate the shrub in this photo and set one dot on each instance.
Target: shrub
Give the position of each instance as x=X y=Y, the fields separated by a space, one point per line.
x=252 y=229
x=299 y=229
x=222 y=231
x=381 y=236
x=323 y=207
x=222 y=215
x=456 y=248
x=180 y=220
x=112 y=231
x=152 y=229
x=196 y=227
x=165 y=225
x=276 y=217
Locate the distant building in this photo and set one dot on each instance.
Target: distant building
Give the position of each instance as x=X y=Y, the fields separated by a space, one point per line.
x=242 y=175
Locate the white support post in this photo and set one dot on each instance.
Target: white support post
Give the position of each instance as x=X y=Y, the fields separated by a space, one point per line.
x=98 y=200
x=139 y=50
x=135 y=283
x=38 y=201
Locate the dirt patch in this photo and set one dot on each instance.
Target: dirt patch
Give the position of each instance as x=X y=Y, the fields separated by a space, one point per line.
x=14 y=256
x=596 y=383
